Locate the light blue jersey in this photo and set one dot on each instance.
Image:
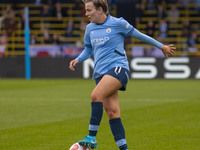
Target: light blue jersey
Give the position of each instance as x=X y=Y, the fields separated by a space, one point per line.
x=106 y=42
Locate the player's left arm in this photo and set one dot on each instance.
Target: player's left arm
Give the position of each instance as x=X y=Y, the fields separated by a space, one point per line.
x=166 y=49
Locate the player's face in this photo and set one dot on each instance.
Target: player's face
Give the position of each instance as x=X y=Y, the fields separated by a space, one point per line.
x=92 y=13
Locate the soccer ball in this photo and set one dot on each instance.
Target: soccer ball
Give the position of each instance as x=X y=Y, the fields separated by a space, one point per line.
x=77 y=146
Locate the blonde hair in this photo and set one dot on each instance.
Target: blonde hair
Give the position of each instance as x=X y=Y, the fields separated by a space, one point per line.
x=99 y=3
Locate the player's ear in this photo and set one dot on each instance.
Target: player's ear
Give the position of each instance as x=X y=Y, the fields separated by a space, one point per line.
x=100 y=9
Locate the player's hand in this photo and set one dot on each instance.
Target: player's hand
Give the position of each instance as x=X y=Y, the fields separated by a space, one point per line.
x=72 y=64
x=168 y=50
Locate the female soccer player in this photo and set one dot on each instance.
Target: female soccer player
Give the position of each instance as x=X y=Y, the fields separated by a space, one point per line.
x=104 y=37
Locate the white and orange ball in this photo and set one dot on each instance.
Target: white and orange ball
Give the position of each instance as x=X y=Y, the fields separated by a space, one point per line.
x=77 y=146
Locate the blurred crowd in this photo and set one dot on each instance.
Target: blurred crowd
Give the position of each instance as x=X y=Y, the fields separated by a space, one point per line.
x=167 y=17
x=53 y=8
x=49 y=8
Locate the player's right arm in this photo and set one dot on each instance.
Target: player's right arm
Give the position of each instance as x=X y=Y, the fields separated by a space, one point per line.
x=86 y=53
x=72 y=64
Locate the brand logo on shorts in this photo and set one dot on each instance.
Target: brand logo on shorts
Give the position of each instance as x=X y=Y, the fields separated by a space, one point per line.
x=118 y=70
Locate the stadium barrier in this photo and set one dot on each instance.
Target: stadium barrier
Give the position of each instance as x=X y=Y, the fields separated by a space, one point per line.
x=140 y=68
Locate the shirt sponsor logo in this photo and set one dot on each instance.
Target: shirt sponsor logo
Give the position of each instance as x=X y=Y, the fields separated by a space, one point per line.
x=100 y=40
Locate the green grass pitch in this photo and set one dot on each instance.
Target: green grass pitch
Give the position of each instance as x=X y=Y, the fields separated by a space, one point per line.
x=52 y=114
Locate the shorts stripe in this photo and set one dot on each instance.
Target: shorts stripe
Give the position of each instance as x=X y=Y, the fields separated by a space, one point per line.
x=127 y=75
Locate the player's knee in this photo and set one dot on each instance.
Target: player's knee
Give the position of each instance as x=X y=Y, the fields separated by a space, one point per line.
x=112 y=114
x=95 y=96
